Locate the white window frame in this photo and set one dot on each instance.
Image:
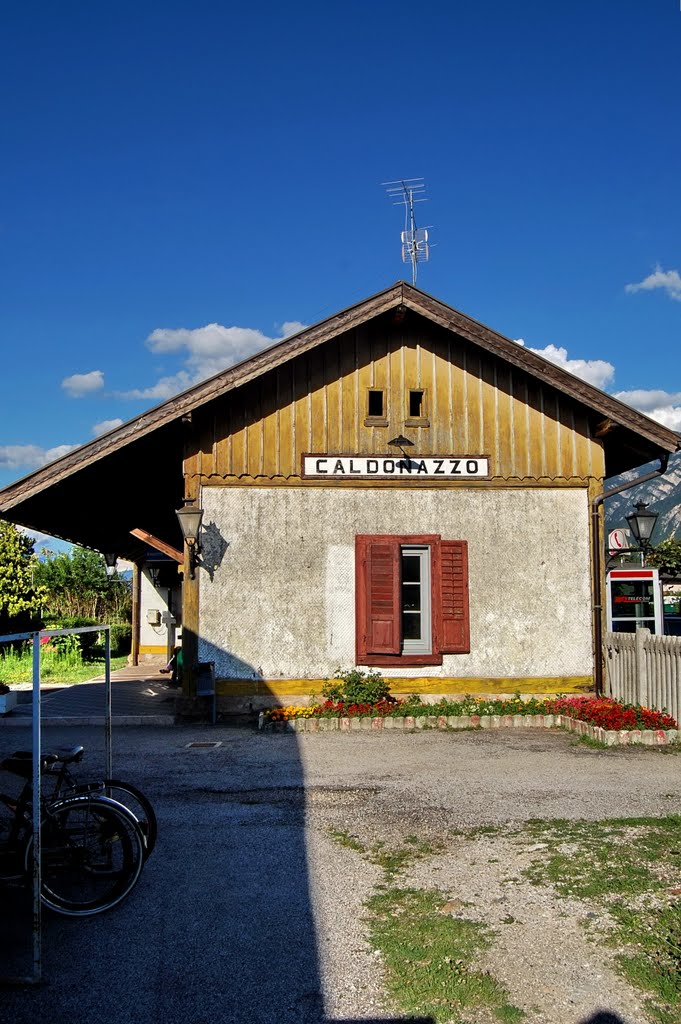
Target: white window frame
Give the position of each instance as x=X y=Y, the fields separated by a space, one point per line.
x=424 y=643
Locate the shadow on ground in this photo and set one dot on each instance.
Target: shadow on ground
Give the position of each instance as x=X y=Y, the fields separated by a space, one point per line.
x=220 y=926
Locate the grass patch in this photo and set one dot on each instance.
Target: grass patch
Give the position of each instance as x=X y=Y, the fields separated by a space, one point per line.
x=628 y=866
x=428 y=954
x=396 y=859
x=346 y=840
x=589 y=741
x=55 y=667
x=428 y=957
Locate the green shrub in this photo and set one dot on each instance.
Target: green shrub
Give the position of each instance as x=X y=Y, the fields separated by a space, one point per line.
x=356 y=687
x=70 y=645
x=121 y=639
x=87 y=642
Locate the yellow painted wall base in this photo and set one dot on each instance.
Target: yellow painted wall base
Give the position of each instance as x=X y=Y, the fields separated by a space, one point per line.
x=159 y=649
x=423 y=685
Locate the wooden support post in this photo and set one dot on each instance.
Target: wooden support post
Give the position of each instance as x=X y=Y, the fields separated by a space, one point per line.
x=136 y=602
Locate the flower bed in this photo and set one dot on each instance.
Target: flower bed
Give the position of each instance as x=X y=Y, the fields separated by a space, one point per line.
x=600 y=711
x=600 y=718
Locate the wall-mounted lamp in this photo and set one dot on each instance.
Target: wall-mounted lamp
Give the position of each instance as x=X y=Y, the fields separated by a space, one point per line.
x=154 y=574
x=189 y=518
x=110 y=560
x=642 y=524
x=401 y=442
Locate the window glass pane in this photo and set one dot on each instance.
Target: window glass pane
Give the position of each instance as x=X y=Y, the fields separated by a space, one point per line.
x=411 y=568
x=411 y=626
x=416 y=404
x=632 y=599
x=411 y=597
x=631 y=625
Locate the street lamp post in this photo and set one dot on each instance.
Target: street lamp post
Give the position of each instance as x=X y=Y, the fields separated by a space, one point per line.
x=641 y=524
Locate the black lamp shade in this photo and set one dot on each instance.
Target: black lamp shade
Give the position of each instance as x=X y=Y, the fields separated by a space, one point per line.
x=400 y=442
x=642 y=523
x=189 y=519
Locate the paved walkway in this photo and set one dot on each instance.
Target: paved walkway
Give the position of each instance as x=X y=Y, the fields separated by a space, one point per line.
x=140 y=695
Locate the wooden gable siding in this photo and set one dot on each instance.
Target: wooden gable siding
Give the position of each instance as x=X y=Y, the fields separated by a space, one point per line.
x=476 y=404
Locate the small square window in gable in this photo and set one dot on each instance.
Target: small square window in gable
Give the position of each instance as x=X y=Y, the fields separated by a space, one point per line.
x=417 y=411
x=375 y=407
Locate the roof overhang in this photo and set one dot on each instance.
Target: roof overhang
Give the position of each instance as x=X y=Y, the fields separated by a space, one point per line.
x=132 y=477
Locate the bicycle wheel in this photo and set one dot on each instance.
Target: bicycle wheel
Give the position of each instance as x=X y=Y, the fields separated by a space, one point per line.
x=92 y=855
x=135 y=800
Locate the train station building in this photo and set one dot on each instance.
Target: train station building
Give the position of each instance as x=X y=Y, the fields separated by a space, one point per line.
x=397 y=487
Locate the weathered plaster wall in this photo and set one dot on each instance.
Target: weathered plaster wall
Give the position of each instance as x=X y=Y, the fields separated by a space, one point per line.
x=281 y=602
x=153 y=639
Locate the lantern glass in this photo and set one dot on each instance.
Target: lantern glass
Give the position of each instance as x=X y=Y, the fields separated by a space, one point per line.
x=189 y=519
x=642 y=523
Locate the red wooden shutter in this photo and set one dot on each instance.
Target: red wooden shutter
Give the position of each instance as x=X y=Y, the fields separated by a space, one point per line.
x=454 y=625
x=377 y=595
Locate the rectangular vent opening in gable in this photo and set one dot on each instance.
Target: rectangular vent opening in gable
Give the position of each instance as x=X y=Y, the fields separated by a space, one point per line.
x=417 y=405
x=375 y=406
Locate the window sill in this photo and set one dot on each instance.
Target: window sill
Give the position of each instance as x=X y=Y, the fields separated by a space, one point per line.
x=421 y=422
x=375 y=421
x=397 y=660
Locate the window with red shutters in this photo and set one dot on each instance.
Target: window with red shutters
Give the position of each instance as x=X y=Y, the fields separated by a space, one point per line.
x=378 y=600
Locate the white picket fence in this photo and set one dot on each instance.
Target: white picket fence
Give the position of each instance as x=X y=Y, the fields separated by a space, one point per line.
x=644 y=669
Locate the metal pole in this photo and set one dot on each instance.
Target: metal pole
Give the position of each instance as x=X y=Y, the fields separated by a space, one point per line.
x=107 y=687
x=37 y=805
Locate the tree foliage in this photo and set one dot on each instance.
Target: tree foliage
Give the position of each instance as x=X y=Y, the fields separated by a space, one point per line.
x=666 y=557
x=76 y=585
x=21 y=594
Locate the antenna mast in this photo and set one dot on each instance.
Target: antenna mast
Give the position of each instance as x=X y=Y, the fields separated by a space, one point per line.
x=407 y=192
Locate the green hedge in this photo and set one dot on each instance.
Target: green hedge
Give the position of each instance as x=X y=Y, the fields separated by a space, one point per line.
x=121 y=639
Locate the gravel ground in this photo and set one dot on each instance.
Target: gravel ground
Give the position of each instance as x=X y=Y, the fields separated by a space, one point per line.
x=249 y=912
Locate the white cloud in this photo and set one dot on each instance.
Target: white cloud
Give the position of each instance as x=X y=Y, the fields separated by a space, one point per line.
x=164 y=388
x=206 y=351
x=79 y=384
x=595 y=371
x=290 y=327
x=30 y=456
x=663 y=406
x=105 y=426
x=669 y=280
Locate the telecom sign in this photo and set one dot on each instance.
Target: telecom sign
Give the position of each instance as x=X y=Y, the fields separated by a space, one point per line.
x=618 y=540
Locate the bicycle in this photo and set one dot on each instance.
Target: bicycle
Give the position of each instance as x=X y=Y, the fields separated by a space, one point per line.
x=123 y=792
x=92 y=849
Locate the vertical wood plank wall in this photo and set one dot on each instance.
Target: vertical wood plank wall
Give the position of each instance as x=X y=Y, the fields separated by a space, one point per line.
x=475 y=404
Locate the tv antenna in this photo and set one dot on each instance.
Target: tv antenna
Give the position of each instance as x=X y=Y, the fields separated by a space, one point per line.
x=415 y=248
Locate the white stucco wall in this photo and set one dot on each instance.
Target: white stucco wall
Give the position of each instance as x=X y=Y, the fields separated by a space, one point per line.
x=153 y=599
x=282 y=600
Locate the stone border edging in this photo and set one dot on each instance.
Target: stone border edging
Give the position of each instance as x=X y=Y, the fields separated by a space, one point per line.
x=377 y=723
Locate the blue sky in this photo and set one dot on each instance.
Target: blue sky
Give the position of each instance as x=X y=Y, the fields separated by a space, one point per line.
x=183 y=183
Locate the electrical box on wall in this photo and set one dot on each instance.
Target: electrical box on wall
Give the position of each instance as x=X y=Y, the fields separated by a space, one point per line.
x=153 y=617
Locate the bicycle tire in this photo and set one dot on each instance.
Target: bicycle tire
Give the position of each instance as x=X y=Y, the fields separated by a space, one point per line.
x=136 y=801
x=92 y=855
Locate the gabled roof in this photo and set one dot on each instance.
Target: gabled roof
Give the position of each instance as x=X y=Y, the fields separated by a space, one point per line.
x=156 y=434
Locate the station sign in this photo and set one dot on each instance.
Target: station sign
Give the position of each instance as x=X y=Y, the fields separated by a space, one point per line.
x=346 y=467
